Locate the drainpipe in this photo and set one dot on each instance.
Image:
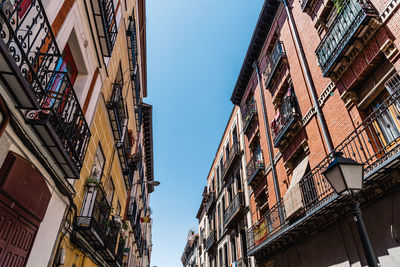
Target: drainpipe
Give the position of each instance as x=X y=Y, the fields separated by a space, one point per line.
x=309 y=80
x=6 y=117
x=269 y=143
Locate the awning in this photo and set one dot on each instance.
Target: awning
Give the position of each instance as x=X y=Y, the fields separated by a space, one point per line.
x=293 y=199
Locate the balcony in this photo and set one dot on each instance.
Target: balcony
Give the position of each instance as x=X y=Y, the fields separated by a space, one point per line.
x=255 y=168
x=287 y=122
x=234 y=209
x=274 y=62
x=210 y=240
x=124 y=150
x=92 y=223
x=117 y=112
x=375 y=143
x=105 y=22
x=347 y=31
x=108 y=250
x=231 y=159
x=249 y=115
x=132 y=210
x=210 y=201
x=30 y=60
x=264 y=227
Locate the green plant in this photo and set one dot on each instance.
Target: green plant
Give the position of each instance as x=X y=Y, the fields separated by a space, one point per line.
x=91 y=180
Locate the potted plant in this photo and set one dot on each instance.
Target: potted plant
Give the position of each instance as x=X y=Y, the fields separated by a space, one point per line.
x=93 y=182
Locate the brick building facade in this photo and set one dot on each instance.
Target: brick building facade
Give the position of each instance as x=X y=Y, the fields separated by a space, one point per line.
x=319 y=76
x=328 y=82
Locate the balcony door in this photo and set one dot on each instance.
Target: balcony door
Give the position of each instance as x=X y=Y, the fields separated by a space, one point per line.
x=387 y=123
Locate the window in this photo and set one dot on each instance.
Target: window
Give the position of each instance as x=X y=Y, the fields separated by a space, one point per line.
x=98 y=164
x=227 y=151
x=109 y=190
x=233 y=246
x=386 y=126
x=118 y=209
x=234 y=135
x=68 y=64
x=238 y=178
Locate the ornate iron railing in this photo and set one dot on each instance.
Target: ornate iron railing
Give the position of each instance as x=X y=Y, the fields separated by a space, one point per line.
x=106 y=24
x=255 y=166
x=134 y=69
x=117 y=112
x=269 y=224
x=210 y=201
x=250 y=111
x=94 y=216
x=233 y=208
x=234 y=152
x=132 y=54
x=288 y=115
x=210 y=240
x=374 y=142
x=277 y=53
x=351 y=16
x=124 y=150
x=132 y=210
x=56 y=113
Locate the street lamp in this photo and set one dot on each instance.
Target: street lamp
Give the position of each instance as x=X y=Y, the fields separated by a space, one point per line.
x=150 y=183
x=346 y=177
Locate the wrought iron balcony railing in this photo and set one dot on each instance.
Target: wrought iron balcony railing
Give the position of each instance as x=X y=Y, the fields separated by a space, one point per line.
x=255 y=167
x=264 y=227
x=249 y=114
x=231 y=159
x=289 y=116
x=375 y=143
x=273 y=61
x=117 y=112
x=132 y=210
x=124 y=150
x=352 y=15
x=220 y=231
x=132 y=54
x=233 y=209
x=108 y=251
x=134 y=69
x=210 y=201
x=31 y=72
x=92 y=223
x=106 y=25
x=210 y=240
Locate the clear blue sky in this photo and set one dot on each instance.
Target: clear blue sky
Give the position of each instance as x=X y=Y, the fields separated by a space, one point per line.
x=195 y=50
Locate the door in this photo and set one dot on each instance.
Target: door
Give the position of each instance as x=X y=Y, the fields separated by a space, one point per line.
x=16 y=238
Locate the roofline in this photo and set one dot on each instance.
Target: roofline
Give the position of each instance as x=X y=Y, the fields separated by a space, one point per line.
x=222 y=138
x=143 y=42
x=260 y=34
x=148 y=121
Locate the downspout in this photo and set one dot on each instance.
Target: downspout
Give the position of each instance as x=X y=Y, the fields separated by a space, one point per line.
x=309 y=80
x=269 y=143
x=5 y=116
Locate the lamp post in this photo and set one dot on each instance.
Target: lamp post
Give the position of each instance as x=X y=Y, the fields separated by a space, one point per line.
x=151 y=183
x=346 y=177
